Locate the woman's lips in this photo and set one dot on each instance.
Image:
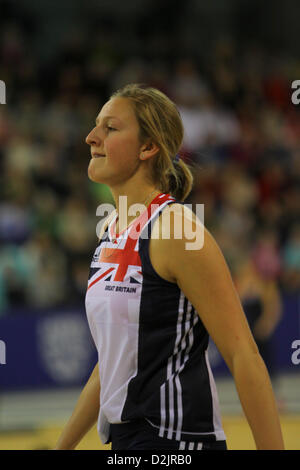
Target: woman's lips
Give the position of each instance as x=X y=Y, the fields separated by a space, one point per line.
x=97 y=155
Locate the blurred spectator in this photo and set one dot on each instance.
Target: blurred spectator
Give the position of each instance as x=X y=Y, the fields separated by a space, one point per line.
x=46 y=285
x=75 y=226
x=266 y=255
x=14 y=271
x=258 y=289
x=291 y=261
x=188 y=88
x=16 y=218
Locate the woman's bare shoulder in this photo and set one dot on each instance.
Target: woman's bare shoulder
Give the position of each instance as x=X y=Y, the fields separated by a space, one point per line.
x=176 y=221
x=175 y=225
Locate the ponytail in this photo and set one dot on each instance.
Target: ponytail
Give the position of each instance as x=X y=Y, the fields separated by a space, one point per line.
x=180 y=180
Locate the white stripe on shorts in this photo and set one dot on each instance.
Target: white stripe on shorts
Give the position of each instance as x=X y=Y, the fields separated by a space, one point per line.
x=191 y=446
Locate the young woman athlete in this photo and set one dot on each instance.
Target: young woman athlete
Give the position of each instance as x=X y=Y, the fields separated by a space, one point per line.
x=152 y=301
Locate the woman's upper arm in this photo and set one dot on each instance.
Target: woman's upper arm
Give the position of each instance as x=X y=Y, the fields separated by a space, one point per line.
x=203 y=275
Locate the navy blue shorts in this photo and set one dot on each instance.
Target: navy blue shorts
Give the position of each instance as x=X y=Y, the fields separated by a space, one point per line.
x=140 y=435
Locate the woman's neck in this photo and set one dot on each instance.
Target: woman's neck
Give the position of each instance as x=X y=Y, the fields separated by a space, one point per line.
x=125 y=199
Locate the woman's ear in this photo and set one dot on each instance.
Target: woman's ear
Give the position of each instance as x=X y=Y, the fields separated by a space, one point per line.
x=149 y=150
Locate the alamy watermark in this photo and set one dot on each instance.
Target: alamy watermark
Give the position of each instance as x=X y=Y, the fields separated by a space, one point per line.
x=180 y=222
x=2 y=353
x=2 y=92
x=296 y=93
x=296 y=354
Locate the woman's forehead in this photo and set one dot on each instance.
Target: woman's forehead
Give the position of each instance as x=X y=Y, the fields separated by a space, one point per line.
x=118 y=107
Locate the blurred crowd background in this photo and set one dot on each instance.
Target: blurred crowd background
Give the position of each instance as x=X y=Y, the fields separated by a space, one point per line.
x=228 y=66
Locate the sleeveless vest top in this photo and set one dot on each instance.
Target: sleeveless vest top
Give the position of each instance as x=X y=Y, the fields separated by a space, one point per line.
x=151 y=342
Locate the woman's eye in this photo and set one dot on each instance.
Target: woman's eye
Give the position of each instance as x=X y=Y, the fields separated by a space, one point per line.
x=110 y=128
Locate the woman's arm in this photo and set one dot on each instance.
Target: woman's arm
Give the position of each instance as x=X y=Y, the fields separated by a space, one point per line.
x=205 y=279
x=84 y=415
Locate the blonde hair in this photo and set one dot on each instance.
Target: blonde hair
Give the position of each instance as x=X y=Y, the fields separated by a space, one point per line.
x=160 y=121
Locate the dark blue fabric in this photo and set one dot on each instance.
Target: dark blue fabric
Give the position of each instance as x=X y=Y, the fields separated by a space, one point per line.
x=139 y=435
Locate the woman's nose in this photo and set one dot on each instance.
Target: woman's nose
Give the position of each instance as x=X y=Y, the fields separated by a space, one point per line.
x=92 y=138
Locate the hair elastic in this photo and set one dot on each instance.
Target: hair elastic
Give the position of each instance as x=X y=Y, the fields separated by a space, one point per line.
x=176 y=159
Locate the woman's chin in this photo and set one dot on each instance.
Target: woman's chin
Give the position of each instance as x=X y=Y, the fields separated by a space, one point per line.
x=95 y=174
